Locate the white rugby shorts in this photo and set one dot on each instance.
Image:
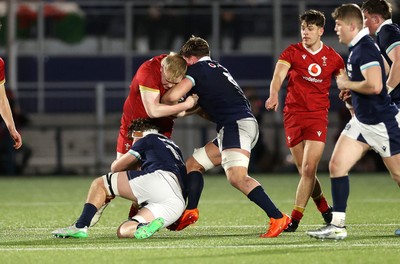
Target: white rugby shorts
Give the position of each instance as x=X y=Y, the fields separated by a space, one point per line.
x=383 y=138
x=162 y=193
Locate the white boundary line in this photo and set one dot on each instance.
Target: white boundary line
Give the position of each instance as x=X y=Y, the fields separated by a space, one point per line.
x=325 y=244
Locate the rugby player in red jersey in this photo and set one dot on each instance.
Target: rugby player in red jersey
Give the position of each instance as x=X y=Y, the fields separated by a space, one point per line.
x=309 y=66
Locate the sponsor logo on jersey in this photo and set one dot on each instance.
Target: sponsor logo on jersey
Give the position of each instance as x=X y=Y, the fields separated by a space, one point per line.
x=319 y=133
x=314 y=70
x=212 y=65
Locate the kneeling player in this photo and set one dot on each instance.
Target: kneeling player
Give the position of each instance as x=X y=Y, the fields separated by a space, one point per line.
x=158 y=185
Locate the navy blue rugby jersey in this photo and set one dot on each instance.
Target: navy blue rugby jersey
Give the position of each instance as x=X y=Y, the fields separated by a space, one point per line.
x=372 y=108
x=219 y=94
x=157 y=152
x=387 y=38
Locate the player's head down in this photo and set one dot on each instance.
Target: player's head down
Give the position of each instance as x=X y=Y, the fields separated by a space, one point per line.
x=140 y=127
x=196 y=47
x=173 y=69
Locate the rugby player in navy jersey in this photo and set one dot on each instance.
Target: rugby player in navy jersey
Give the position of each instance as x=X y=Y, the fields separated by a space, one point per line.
x=375 y=124
x=157 y=185
x=378 y=19
x=222 y=101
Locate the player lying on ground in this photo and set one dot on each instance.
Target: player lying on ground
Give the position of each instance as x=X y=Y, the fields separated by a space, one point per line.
x=157 y=185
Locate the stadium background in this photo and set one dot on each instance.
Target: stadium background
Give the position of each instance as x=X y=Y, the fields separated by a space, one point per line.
x=69 y=65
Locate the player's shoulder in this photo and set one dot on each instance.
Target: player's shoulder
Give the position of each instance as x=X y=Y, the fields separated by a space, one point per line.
x=290 y=51
x=330 y=50
x=155 y=60
x=389 y=29
x=294 y=47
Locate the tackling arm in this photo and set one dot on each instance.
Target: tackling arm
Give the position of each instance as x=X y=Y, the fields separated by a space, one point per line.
x=173 y=95
x=155 y=109
x=125 y=162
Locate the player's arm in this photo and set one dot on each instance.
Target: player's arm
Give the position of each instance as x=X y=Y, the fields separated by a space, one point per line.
x=6 y=114
x=128 y=161
x=394 y=78
x=155 y=109
x=173 y=95
x=372 y=83
x=280 y=73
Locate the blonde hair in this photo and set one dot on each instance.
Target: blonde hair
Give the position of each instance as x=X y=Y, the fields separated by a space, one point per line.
x=348 y=13
x=174 y=66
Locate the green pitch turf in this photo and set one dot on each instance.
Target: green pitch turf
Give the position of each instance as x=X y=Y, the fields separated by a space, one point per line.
x=227 y=231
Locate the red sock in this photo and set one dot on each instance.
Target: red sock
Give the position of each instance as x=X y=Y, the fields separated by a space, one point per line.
x=296 y=215
x=321 y=203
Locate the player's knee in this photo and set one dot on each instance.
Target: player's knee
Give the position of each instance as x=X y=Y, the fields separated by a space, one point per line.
x=309 y=170
x=124 y=231
x=334 y=168
x=199 y=161
x=97 y=183
x=237 y=176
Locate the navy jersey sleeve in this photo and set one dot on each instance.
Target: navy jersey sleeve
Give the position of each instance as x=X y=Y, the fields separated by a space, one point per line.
x=388 y=38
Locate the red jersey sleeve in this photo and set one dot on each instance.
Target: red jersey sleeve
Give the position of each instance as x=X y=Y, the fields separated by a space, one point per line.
x=148 y=76
x=286 y=56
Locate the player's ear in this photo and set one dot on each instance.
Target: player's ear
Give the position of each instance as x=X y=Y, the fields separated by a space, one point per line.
x=321 y=31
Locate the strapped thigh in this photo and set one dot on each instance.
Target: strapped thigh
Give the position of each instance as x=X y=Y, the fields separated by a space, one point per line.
x=111 y=183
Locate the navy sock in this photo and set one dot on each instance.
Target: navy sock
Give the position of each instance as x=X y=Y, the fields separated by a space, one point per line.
x=260 y=198
x=89 y=210
x=340 y=193
x=194 y=183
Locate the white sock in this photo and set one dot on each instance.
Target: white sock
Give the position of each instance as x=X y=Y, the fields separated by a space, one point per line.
x=338 y=219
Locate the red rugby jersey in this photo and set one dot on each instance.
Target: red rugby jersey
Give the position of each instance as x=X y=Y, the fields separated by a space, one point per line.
x=309 y=76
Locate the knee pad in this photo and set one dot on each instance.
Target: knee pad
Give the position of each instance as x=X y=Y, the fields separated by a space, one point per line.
x=232 y=158
x=200 y=155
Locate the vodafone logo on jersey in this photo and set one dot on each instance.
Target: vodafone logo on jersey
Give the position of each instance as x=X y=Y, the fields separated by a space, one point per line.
x=314 y=69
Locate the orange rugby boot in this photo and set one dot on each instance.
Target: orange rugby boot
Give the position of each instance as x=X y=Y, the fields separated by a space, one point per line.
x=277 y=226
x=189 y=217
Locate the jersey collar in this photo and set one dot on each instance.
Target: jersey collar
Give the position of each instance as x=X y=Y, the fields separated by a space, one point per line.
x=360 y=35
x=386 y=22
x=205 y=58
x=313 y=52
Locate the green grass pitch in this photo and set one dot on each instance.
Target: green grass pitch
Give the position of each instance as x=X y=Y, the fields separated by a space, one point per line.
x=227 y=231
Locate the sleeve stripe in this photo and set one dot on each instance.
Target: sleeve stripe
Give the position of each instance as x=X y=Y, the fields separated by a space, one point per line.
x=148 y=89
x=136 y=154
x=369 y=64
x=191 y=79
x=284 y=63
x=395 y=44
